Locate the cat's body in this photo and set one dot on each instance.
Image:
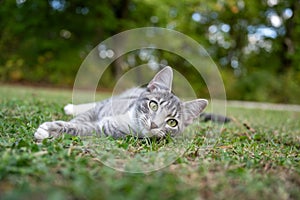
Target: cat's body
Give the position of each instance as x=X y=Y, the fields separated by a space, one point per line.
x=142 y=112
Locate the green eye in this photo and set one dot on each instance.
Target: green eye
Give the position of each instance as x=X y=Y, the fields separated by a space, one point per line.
x=153 y=105
x=172 y=122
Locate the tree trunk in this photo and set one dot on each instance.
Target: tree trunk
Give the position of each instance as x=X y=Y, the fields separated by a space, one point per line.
x=120 y=9
x=290 y=39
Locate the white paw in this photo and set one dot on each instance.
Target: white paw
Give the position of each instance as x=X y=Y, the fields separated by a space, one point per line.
x=69 y=109
x=42 y=132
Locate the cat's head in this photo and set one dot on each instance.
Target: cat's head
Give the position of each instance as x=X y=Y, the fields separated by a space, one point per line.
x=160 y=112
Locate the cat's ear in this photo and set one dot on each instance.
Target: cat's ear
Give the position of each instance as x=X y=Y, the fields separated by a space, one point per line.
x=193 y=109
x=162 y=80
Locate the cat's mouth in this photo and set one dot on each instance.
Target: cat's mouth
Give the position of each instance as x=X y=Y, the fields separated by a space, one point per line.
x=156 y=131
x=150 y=129
x=152 y=132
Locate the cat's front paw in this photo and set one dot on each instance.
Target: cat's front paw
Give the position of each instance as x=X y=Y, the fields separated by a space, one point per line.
x=69 y=109
x=42 y=132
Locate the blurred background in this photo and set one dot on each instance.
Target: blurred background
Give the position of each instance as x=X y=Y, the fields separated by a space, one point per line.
x=255 y=43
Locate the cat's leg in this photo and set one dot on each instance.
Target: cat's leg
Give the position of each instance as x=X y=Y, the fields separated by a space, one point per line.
x=71 y=109
x=86 y=125
x=113 y=126
x=108 y=126
x=83 y=124
x=57 y=128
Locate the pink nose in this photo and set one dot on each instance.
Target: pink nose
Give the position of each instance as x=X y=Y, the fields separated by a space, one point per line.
x=153 y=125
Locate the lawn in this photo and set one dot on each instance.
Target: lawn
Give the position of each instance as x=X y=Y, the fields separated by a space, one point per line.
x=256 y=156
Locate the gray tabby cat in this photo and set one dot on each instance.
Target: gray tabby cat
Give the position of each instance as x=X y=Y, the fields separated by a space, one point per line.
x=153 y=111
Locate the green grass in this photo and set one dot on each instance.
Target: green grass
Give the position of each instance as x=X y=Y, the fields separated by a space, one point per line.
x=254 y=157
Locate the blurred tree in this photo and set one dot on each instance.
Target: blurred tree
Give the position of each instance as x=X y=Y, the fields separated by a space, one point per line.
x=45 y=41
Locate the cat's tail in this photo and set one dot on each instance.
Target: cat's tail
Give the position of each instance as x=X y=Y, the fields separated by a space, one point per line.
x=214 y=118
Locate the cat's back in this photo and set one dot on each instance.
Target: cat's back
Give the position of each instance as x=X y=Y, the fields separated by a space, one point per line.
x=130 y=94
x=119 y=103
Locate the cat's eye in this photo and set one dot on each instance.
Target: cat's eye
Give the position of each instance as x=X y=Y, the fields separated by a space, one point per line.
x=172 y=122
x=153 y=105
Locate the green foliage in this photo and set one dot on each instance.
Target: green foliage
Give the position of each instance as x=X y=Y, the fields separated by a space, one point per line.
x=253 y=157
x=46 y=41
x=264 y=86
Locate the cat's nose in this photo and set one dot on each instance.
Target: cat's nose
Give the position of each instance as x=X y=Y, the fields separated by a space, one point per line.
x=153 y=125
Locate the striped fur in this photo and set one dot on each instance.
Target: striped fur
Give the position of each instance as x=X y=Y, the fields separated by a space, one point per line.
x=153 y=111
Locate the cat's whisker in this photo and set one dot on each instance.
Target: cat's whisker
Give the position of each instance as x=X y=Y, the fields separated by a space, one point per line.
x=161 y=134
